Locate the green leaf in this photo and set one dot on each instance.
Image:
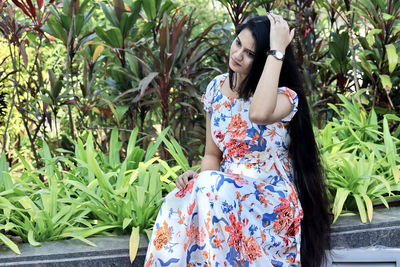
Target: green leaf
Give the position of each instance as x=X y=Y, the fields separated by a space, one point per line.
x=56 y=29
x=10 y=244
x=31 y=239
x=134 y=243
x=5 y=177
x=386 y=82
x=79 y=23
x=149 y=7
x=126 y=223
x=95 y=168
x=387 y=17
x=110 y=15
x=370 y=36
x=111 y=37
x=151 y=150
x=340 y=198
x=396 y=173
x=80 y=233
x=392 y=56
x=132 y=141
x=127 y=22
x=361 y=208
x=115 y=147
x=369 y=206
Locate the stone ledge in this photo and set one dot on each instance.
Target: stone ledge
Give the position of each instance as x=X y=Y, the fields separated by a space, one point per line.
x=384 y=230
x=110 y=251
x=347 y=233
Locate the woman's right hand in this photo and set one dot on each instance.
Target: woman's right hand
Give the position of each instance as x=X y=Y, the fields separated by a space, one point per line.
x=184 y=178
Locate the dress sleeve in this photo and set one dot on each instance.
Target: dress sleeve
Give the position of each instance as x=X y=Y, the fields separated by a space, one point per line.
x=207 y=97
x=293 y=98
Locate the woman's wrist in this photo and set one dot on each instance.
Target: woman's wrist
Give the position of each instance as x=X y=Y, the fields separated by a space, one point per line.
x=279 y=48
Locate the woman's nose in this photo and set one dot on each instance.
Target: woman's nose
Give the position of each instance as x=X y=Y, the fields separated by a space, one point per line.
x=238 y=54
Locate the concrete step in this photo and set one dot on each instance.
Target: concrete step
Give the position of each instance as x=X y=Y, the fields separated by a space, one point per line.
x=354 y=245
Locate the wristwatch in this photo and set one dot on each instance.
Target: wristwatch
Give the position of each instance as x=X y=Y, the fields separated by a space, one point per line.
x=277 y=54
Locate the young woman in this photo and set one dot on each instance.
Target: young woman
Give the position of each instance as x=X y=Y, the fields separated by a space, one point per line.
x=259 y=199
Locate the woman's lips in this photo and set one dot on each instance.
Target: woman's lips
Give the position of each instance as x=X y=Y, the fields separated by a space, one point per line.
x=235 y=62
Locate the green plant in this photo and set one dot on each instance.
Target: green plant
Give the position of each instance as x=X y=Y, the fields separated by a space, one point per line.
x=41 y=211
x=380 y=51
x=86 y=192
x=360 y=158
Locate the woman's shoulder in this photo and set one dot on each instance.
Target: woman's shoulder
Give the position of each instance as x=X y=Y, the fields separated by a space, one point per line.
x=216 y=81
x=215 y=84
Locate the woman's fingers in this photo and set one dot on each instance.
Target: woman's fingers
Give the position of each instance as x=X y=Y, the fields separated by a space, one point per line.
x=280 y=34
x=184 y=178
x=291 y=35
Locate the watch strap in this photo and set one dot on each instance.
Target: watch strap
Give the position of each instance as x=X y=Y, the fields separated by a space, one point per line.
x=277 y=54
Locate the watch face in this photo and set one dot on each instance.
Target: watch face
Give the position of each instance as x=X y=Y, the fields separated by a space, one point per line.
x=279 y=54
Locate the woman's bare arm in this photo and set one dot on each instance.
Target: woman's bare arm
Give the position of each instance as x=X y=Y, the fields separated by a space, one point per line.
x=211 y=160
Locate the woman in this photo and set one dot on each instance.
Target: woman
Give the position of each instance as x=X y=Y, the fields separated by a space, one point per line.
x=259 y=199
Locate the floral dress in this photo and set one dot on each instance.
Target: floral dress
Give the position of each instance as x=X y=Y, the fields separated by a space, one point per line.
x=246 y=214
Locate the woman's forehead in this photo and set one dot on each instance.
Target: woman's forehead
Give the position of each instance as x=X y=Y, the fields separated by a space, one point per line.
x=247 y=39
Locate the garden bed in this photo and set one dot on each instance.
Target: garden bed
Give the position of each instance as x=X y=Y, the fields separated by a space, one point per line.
x=347 y=233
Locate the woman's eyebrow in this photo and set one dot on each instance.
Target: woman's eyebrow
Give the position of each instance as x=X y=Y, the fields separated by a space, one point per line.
x=248 y=50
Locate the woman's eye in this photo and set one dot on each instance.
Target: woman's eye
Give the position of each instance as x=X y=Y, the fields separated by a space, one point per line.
x=251 y=54
x=238 y=41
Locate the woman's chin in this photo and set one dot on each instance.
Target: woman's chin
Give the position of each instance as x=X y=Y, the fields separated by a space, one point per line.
x=233 y=67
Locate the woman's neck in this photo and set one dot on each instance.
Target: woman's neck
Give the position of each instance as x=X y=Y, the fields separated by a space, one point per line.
x=238 y=79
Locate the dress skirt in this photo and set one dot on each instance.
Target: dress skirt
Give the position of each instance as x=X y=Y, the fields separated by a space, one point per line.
x=225 y=219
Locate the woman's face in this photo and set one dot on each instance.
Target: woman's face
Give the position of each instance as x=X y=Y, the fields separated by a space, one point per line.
x=243 y=50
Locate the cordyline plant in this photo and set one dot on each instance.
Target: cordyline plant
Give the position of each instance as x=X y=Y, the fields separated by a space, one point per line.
x=37 y=14
x=374 y=24
x=239 y=10
x=68 y=24
x=380 y=50
x=15 y=33
x=175 y=59
x=174 y=66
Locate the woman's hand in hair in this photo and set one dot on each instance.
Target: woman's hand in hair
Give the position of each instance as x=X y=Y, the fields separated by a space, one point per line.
x=184 y=178
x=280 y=36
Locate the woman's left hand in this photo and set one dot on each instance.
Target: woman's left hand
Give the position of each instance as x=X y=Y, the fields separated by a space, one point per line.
x=280 y=37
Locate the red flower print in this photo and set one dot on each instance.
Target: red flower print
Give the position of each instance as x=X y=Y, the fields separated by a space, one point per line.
x=191 y=207
x=263 y=200
x=235 y=231
x=237 y=127
x=272 y=134
x=220 y=135
x=188 y=188
x=290 y=94
x=285 y=216
x=150 y=261
x=238 y=179
x=260 y=187
x=236 y=148
x=217 y=242
x=227 y=104
x=162 y=236
x=180 y=216
x=252 y=249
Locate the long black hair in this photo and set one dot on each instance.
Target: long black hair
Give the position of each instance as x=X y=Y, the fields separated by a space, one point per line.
x=308 y=173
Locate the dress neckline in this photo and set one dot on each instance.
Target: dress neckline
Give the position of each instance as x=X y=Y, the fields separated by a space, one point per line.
x=225 y=76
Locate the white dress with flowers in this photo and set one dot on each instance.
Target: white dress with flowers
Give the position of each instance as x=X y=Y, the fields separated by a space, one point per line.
x=246 y=214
